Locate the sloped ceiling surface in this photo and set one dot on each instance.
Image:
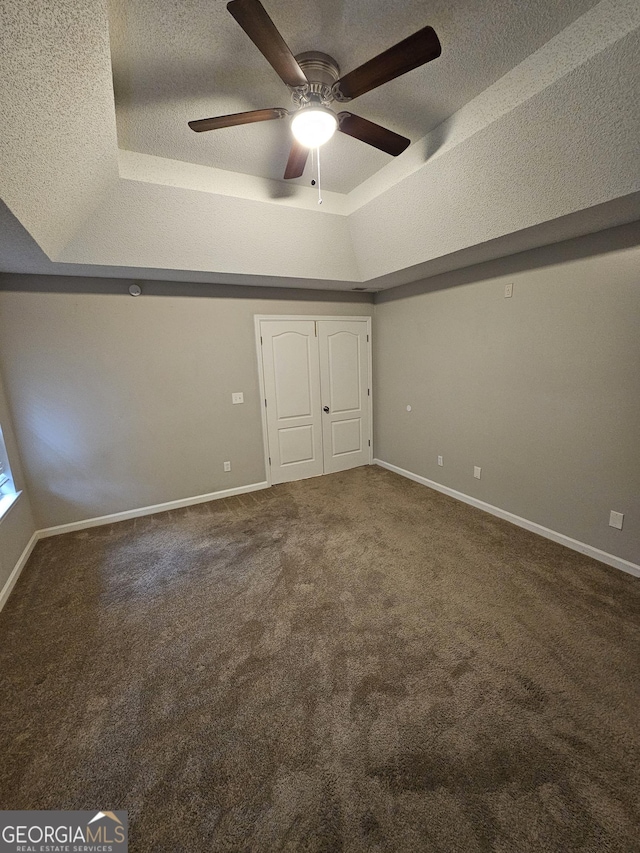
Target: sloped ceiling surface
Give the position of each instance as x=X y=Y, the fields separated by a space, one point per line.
x=530 y=117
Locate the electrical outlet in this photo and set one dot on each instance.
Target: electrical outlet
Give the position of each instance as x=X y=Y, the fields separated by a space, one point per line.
x=508 y=290
x=440 y=461
x=237 y=397
x=227 y=466
x=616 y=519
x=476 y=472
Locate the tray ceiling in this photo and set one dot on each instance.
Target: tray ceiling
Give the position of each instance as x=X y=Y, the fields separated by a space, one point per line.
x=174 y=61
x=525 y=133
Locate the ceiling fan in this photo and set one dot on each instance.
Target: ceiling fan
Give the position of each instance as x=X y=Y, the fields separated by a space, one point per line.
x=313 y=78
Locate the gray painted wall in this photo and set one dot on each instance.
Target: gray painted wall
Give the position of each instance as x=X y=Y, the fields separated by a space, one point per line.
x=122 y=403
x=17 y=526
x=541 y=390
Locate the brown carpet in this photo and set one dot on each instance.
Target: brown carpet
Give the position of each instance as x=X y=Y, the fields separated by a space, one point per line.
x=350 y=663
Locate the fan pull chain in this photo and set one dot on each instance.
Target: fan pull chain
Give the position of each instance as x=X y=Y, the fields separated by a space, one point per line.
x=319 y=187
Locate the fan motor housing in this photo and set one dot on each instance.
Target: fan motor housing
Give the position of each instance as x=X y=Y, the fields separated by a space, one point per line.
x=322 y=72
x=319 y=67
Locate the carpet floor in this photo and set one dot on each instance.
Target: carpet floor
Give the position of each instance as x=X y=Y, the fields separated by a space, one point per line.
x=349 y=663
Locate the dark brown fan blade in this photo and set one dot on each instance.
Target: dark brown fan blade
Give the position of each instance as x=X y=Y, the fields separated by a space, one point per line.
x=408 y=54
x=253 y=19
x=237 y=118
x=297 y=160
x=373 y=134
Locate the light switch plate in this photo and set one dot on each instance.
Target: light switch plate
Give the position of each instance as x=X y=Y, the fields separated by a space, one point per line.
x=227 y=466
x=508 y=290
x=440 y=461
x=476 y=472
x=616 y=519
x=237 y=397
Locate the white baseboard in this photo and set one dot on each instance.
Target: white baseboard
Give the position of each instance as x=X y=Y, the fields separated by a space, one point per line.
x=148 y=510
x=582 y=547
x=15 y=574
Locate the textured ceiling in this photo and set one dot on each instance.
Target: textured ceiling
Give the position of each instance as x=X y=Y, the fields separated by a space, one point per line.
x=174 y=61
x=539 y=141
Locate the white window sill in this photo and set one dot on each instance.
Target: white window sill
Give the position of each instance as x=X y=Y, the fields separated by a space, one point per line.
x=6 y=502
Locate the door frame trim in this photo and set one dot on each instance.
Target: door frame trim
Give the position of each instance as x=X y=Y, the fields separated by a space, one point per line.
x=257 y=319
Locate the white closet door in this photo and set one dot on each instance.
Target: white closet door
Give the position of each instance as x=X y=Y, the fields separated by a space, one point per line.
x=292 y=389
x=344 y=382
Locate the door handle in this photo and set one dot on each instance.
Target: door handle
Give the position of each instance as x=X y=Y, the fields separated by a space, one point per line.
x=325 y=409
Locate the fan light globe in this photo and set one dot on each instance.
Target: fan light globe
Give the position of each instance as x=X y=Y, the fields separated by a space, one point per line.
x=313 y=126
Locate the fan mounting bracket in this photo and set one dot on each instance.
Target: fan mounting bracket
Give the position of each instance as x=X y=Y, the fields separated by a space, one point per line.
x=336 y=94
